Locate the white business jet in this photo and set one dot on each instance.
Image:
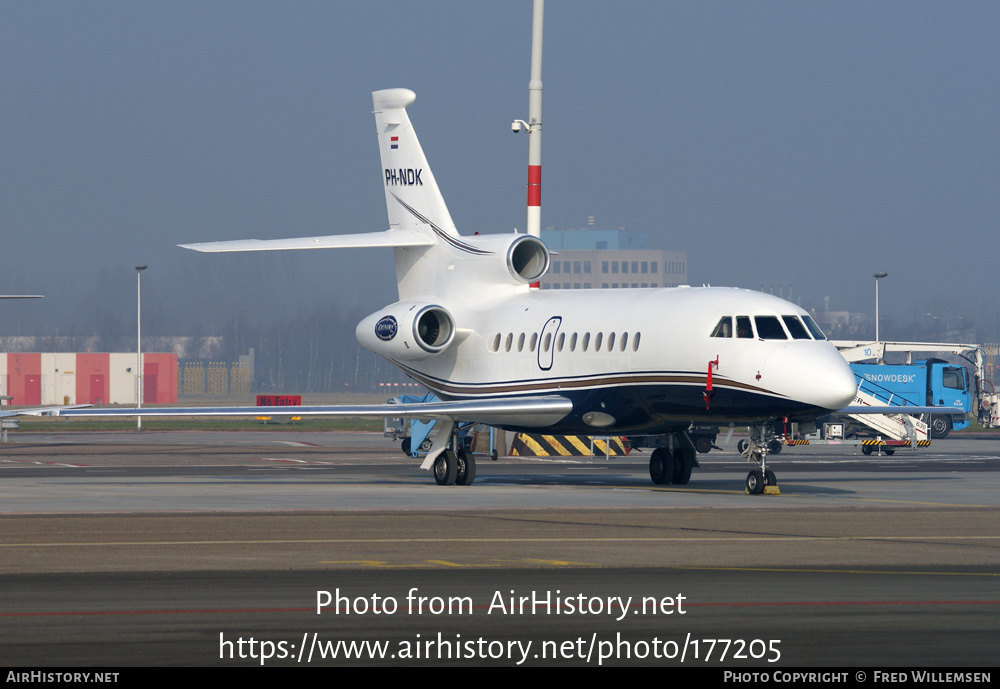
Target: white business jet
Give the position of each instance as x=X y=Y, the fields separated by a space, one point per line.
x=648 y=362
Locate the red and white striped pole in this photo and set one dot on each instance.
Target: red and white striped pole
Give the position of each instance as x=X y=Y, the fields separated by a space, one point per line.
x=534 y=220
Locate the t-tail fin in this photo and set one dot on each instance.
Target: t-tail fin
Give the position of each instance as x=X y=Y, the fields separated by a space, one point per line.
x=412 y=197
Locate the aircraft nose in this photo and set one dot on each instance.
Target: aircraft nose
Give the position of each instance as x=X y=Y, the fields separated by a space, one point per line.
x=816 y=374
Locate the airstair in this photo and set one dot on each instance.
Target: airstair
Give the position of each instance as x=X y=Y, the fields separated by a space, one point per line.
x=890 y=426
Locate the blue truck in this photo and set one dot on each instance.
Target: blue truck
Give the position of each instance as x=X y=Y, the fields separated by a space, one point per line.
x=930 y=382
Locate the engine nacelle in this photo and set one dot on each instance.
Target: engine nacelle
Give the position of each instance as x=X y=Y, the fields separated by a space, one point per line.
x=527 y=259
x=407 y=330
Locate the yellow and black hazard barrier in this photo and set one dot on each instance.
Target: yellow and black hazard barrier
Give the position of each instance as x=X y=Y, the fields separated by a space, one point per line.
x=796 y=442
x=873 y=443
x=532 y=445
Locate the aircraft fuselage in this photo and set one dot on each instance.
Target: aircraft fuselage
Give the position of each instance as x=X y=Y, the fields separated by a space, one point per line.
x=637 y=360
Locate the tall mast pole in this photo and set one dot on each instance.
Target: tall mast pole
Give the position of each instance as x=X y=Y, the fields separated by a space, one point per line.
x=534 y=220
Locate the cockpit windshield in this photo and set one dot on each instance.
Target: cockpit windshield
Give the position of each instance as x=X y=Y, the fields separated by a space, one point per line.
x=813 y=328
x=795 y=327
x=768 y=328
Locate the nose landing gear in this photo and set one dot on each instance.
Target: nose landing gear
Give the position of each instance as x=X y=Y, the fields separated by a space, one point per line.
x=762 y=441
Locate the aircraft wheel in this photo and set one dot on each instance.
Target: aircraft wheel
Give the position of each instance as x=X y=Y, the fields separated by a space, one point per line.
x=494 y=455
x=889 y=451
x=446 y=468
x=742 y=446
x=406 y=447
x=769 y=478
x=755 y=482
x=426 y=445
x=682 y=468
x=466 y=473
x=866 y=450
x=774 y=447
x=661 y=466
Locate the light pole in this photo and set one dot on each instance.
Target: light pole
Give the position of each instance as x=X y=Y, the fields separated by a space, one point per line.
x=138 y=342
x=878 y=276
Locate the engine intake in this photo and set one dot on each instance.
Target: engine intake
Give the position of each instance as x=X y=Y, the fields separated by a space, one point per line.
x=527 y=258
x=408 y=330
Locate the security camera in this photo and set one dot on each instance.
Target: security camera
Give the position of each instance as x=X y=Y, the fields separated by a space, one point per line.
x=515 y=126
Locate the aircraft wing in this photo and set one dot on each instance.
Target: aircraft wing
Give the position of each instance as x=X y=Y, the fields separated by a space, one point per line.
x=889 y=409
x=333 y=241
x=40 y=411
x=529 y=412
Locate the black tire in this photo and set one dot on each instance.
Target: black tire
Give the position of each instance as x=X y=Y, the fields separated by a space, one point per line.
x=426 y=445
x=755 y=482
x=466 y=473
x=866 y=450
x=742 y=446
x=661 y=466
x=494 y=455
x=703 y=445
x=888 y=451
x=406 y=447
x=446 y=468
x=769 y=478
x=682 y=468
x=774 y=447
x=940 y=427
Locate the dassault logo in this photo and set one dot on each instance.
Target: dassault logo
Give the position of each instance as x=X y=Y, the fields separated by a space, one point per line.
x=386 y=328
x=407 y=177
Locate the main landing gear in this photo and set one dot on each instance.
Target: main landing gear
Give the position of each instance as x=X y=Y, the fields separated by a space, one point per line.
x=455 y=468
x=761 y=442
x=673 y=462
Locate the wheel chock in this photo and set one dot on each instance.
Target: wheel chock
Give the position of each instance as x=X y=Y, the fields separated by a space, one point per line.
x=772 y=490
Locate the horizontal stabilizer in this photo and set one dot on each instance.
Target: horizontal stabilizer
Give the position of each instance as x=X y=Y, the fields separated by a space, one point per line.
x=530 y=412
x=333 y=241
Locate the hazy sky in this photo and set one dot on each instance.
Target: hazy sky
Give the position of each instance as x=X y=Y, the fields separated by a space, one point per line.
x=807 y=144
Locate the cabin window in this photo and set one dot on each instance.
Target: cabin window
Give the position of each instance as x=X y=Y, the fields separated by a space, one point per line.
x=743 y=327
x=624 y=342
x=769 y=328
x=813 y=328
x=547 y=342
x=507 y=342
x=533 y=342
x=572 y=342
x=495 y=346
x=611 y=341
x=586 y=341
x=598 y=338
x=559 y=341
x=635 y=342
x=724 y=327
x=795 y=328
x=520 y=342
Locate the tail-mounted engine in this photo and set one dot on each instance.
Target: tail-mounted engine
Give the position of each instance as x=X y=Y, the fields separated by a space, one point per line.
x=527 y=259
x=408 y=331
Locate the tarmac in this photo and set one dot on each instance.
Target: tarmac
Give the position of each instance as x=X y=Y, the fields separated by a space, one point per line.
x=127 y=549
